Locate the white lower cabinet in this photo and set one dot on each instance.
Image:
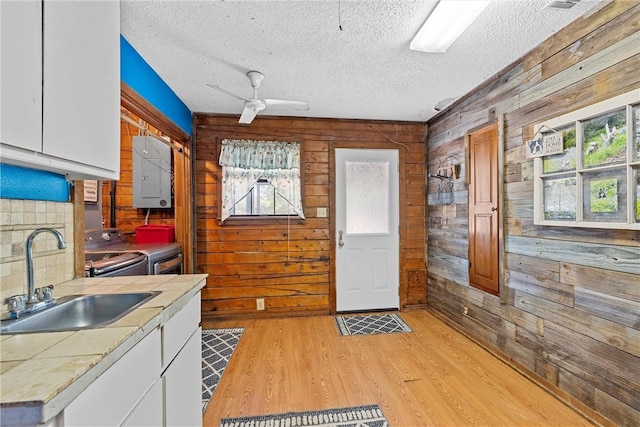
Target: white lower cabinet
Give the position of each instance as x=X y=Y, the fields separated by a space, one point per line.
x=149 y=412
x=111 y=398
x=182 y=367
x=158 y=382
x=182 y=401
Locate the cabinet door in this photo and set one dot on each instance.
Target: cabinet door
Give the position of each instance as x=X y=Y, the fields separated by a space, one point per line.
x=149 y=412
x=81 y=95
x=183 y=385
x=21 y=74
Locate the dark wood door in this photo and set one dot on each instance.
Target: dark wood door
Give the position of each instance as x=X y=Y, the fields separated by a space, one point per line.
x=483 y=209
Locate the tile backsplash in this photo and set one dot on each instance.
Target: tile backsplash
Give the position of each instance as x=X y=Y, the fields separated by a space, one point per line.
x=18 y=218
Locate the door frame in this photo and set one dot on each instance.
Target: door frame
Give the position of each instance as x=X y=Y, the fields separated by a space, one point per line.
x=183 y=171
x=503 y=279
x=402 y=154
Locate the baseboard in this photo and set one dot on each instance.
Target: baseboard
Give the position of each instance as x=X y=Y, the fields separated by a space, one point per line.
x=414 y=307
x=208 y=316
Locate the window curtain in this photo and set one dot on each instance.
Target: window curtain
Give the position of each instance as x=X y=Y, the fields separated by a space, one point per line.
x=248 y=154
x=244 y=162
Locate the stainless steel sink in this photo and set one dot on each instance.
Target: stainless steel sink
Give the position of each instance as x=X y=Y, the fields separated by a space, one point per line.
x=77 y=312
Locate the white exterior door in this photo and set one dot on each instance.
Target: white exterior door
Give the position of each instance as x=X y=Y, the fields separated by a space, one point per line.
x=367 y=229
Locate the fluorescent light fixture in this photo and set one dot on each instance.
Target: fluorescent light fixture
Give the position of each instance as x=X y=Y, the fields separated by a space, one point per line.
x=446 y=23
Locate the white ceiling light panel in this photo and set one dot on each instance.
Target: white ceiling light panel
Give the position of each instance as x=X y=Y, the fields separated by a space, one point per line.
x=446 y=23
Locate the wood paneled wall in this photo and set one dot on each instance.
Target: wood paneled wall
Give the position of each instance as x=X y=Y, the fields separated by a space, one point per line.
x=290 y=264
x=567 y=317
x=127 y=218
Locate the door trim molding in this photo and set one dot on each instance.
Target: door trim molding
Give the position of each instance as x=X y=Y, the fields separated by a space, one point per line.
x=402 y=213
x=184 y=173
x=503 y=283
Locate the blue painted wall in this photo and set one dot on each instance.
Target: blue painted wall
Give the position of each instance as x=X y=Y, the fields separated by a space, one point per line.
x=30 y=184
x=136 y=73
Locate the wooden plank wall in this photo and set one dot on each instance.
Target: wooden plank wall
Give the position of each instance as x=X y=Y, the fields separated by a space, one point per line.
x=289 y=265
x=128 y=217
x=571 y=315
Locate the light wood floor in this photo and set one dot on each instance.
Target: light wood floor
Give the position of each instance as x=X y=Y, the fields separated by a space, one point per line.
x=433 y=376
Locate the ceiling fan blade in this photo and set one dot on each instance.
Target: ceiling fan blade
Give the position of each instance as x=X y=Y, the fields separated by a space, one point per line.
x=286 y=104
x=226 y=91
x=248 y=114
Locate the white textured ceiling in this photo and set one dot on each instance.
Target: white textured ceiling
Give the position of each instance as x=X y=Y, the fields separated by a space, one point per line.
x=364 y=71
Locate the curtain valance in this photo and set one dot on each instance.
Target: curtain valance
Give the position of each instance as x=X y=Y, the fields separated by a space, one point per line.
x=249 y=154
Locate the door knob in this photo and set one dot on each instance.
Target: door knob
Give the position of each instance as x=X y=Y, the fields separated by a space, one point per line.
x=340 y=242
x=493 y=209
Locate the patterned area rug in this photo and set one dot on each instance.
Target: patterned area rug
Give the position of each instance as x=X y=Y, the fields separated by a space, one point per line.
x=360 y=416
x=217 y=347
x=371 y=324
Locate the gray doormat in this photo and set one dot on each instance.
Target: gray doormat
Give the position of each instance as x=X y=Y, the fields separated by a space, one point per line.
x=371 y=324
x=360 y=416
x=217 y=348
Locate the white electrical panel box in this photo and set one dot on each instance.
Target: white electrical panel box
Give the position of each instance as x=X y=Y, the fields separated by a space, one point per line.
x=151 y=173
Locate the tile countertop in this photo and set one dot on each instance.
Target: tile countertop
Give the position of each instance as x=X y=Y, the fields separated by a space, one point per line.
x=41 y=373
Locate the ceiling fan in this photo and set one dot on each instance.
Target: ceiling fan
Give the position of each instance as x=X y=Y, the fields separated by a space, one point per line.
x=253 y=106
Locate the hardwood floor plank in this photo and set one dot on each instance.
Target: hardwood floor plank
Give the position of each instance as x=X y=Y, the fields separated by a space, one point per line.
x=432 y=376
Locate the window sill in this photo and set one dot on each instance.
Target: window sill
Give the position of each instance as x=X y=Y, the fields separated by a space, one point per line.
x=262 y=220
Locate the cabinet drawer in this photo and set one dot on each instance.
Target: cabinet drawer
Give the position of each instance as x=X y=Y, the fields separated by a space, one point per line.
x=178 y=329
x=114 y=394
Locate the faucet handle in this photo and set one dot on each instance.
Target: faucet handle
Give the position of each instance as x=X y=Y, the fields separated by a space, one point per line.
x=45 y=293
x=16 y=302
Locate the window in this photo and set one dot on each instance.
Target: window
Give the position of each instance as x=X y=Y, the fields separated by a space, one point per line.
x=367 y=201
x=260 y=178
x=593 y=180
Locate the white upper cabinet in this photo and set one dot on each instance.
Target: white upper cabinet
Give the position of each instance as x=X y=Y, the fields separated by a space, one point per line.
x=21 y=74
x=81 y=100
x=65 y=115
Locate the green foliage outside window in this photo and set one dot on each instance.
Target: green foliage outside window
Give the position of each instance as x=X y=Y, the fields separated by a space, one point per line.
x=605 y=139
x=637 y=172
x=604 y=195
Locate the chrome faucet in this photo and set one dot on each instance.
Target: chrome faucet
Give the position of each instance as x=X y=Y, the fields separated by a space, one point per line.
x=36 y=299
